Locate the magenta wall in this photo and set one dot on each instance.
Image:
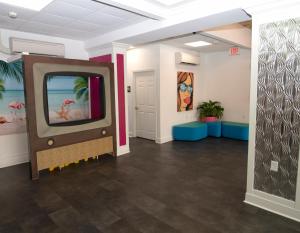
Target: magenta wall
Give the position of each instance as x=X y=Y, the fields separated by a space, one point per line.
x=96 y=110
x=121 y=92
x=104 y=58
x=121 y=99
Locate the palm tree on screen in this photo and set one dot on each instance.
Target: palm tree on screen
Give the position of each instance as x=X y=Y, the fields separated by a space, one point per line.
x=81 y=89
x=2 y=88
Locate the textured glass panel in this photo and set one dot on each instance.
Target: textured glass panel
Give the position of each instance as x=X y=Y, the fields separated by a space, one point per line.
x=278 y=108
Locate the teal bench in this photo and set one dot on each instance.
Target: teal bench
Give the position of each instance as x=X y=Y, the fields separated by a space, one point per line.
x=235 y=130
x=214 y=129
x=191 y=131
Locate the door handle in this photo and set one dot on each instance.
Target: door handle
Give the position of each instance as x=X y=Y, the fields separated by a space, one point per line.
x=136 y=108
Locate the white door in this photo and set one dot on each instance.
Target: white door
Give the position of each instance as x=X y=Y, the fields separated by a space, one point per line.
x=145 y=105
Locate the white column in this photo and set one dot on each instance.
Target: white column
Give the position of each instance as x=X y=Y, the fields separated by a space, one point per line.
x=119 y=48
x=281 y=206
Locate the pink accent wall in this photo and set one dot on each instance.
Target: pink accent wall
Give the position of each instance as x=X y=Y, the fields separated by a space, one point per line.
x=121 y=99
x=121 y=92
x=103 y=58
x=96 y=102
x=95 y=94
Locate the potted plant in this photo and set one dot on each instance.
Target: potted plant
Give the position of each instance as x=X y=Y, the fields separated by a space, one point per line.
x=210 y=111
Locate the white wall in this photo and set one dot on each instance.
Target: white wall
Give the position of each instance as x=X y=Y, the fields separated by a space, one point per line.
x=73 y=48
x=234 y=33
x=219 y=77
x=13 y=148
x=145 y=58
x=227 y=79
x=168 y=91
x=161 y=59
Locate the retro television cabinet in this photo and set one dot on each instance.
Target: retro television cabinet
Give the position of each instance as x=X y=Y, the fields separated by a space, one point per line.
x=64 y=130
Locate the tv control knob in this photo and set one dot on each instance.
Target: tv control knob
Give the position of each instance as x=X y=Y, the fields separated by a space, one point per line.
x=50 y=142
x=103 y=132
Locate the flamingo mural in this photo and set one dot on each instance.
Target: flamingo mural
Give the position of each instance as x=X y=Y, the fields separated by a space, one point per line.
x=16 y=106
x=12 y=107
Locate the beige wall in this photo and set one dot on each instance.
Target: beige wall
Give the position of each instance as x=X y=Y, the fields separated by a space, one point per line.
x=227 y=79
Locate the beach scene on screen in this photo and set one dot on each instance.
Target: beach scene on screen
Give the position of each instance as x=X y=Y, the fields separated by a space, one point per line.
x=68 y=99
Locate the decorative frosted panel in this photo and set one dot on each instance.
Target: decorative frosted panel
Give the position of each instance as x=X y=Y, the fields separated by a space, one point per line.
x=278 y=108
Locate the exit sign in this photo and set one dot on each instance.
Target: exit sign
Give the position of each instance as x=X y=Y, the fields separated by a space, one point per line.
x=234 y=51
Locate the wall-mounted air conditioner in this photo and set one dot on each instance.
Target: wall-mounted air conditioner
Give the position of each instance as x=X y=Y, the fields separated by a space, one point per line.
x=18 y=45
x=186 y=58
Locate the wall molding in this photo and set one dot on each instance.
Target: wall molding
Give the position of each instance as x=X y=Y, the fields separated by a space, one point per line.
x=164 y=140
x=122 y=150
x=272 y=206
x=11 y=160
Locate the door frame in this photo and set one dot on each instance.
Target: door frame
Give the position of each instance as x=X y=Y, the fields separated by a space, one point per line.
x=156 y=100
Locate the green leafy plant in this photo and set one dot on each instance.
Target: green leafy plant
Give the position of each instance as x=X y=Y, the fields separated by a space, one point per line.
x=81 y=89
x=2 y=88
x=210 y=109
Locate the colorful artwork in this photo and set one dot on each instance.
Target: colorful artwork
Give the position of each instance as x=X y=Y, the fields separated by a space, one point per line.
x=68 y=99
x=12 y=104
x=185 y=82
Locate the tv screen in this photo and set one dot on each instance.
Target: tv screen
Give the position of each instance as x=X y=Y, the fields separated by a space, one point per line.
x=72 y=98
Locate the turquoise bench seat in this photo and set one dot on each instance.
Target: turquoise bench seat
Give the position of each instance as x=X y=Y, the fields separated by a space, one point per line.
x=235 y=130
x=191 y=131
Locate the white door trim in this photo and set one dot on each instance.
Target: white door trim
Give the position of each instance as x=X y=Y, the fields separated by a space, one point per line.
x=156 y=87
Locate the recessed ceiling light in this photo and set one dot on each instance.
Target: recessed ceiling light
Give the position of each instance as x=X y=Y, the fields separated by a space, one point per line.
x=12 y=14
x=169 y=2
x=35 y=5
x=198 y=43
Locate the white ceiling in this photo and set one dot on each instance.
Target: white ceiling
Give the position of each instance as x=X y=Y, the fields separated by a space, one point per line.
x=75 y=19
x=216 y=46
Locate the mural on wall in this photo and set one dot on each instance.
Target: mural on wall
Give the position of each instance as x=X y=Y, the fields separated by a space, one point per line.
x=278 y=108
x=12 y=105
x=185 y=83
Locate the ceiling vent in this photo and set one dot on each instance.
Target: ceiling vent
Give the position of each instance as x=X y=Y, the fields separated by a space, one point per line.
x=18 y=45
x=186 y=58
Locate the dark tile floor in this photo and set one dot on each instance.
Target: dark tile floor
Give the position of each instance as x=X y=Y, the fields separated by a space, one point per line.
x=188 y=187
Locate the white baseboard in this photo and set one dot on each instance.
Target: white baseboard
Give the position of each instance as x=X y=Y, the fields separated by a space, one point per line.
x=272 y=206
x=122 y=150
x=164 y=140
x=12 y=160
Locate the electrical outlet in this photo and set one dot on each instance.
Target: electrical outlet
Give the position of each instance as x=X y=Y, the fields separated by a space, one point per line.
x=274 y=166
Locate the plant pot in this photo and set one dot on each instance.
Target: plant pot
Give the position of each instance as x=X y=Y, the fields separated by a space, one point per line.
x=210 y=119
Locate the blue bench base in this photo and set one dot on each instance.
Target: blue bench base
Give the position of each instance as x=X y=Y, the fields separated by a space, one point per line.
x=214 y=129
x=196 y=130
x=192 y=131
x=235 y=130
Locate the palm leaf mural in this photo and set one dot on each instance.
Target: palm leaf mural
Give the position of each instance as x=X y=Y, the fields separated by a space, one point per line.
x=13 y=70
x=81 y=89
x=2 y=88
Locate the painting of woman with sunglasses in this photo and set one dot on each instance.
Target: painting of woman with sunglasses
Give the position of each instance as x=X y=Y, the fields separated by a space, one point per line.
x=185 y=81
